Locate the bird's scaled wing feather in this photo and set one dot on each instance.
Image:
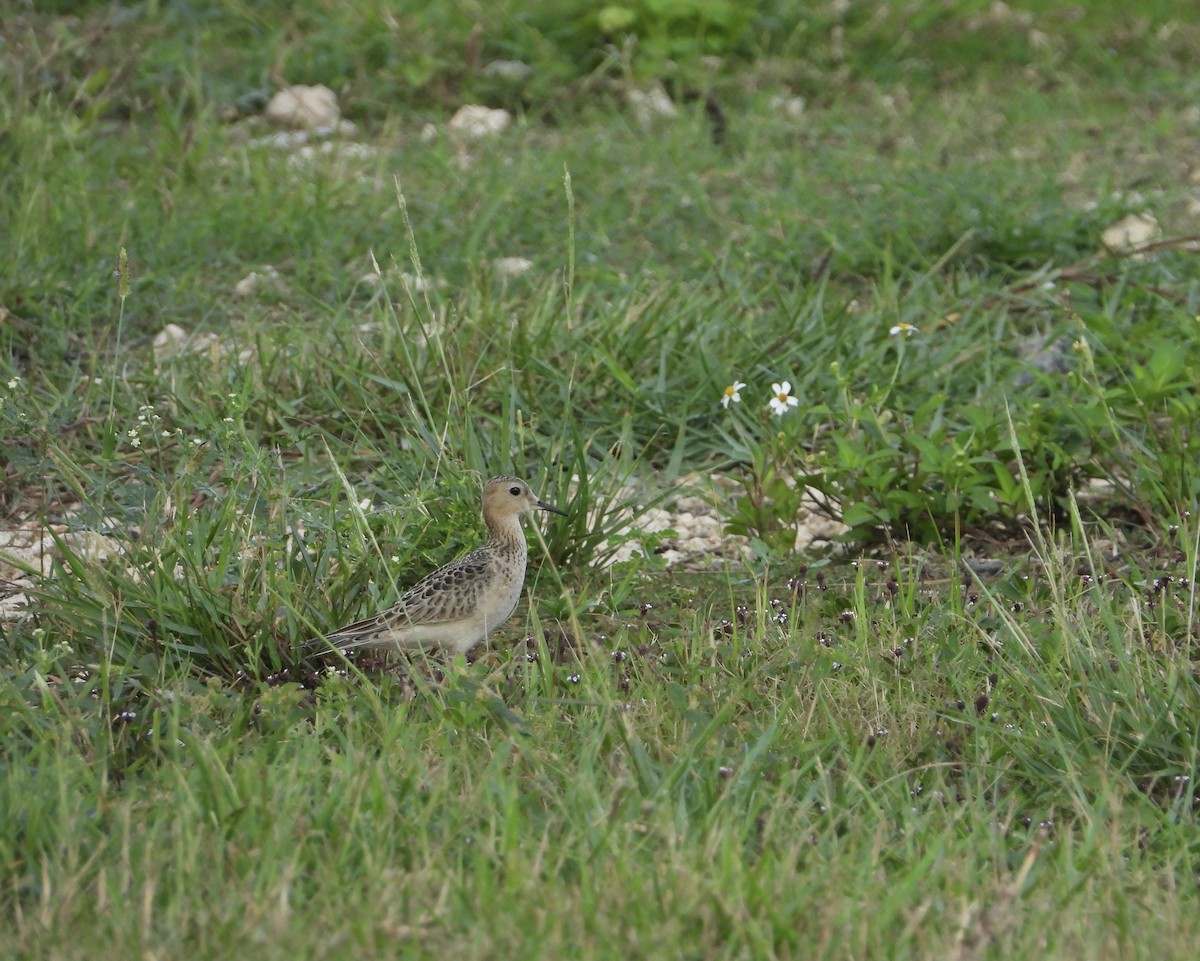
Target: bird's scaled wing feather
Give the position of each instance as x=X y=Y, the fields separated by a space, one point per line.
x=448 y=594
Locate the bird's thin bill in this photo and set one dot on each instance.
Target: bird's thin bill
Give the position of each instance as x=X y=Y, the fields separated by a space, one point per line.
x=550 y=507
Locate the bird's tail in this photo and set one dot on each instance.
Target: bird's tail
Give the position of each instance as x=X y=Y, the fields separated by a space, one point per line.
x=369 y=632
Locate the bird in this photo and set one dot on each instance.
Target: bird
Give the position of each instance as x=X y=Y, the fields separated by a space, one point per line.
x=461 y=603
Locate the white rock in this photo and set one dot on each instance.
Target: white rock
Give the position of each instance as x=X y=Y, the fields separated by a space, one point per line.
x=512 y=70
x=792 y=107
x=33 y=549
x=88 y=545
x=334 y=150
x=301 y=140
x=174 y=341
x=167 y=339
x=15 y=607
x=305 y=107
x=511 y=266
x=473 y=122
x=257 y=281
x=419 y=283
x=1131 y=232
x=673 y=557
x=397 y=278
x=282 y=140
x=651 y=105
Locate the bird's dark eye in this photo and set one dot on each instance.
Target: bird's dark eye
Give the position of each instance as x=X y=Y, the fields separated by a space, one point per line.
x=515 y=491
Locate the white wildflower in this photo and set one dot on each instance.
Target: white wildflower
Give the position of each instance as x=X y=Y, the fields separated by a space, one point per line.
x=782 y=399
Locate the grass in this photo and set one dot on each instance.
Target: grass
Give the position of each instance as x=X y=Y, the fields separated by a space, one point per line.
x=972 y=732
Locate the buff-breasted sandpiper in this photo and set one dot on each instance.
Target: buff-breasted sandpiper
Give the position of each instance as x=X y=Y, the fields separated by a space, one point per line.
x=458 y=605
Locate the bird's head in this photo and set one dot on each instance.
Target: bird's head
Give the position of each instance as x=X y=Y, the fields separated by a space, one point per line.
x=507 y=496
